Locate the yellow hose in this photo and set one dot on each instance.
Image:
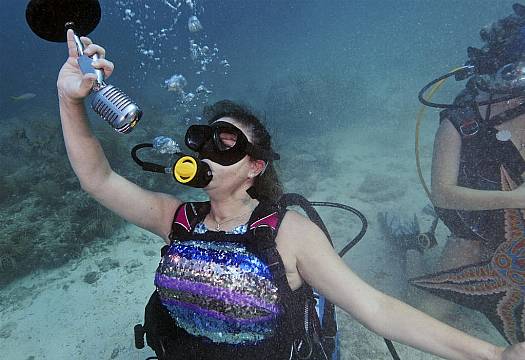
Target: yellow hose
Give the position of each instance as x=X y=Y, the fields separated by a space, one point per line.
x=419 y=119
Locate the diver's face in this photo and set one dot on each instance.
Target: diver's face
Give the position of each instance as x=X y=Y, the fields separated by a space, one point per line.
x=233 y=176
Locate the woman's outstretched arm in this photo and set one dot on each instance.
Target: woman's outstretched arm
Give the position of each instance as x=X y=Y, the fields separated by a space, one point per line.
x=321 y=267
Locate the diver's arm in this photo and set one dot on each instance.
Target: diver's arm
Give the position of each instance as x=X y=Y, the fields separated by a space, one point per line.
x=321 y=267
x=445 y=166
x=149 y=210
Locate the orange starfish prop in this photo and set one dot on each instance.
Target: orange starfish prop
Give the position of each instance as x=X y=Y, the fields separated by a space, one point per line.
x=495 y=287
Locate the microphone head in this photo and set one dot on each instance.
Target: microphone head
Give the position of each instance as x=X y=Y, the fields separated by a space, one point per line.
x=116 y=108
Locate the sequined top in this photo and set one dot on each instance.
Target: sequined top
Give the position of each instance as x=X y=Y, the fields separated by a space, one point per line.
x=218 y=290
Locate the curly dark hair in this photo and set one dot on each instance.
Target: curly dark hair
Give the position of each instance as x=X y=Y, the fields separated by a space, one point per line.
x=267 y=185
x=504 y=42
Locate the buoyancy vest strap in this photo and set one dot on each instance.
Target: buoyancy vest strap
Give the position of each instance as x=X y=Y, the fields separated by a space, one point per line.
x=467 y=121
x=264 y=225
x=186 y=217
x=475 y=147
x=507 y=115
x=181 y=217
x=272 y=221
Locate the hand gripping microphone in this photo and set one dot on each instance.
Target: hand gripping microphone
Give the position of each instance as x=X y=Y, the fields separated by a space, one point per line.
x=108 y=101
x=50 y=20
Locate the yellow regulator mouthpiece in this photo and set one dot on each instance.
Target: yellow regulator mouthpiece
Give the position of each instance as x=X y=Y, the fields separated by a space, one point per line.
x=185 y=169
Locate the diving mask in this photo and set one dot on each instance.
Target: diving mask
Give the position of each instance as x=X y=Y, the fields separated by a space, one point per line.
x=224 y=144
x=496 y=69
x=509 y=79
x=500 y=64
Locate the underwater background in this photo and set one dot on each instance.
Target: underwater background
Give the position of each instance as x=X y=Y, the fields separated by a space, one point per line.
x=337 y=83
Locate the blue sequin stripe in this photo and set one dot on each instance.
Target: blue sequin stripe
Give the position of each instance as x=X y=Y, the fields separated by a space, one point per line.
x=198 y=310
x=218 y=330
x=198 y=250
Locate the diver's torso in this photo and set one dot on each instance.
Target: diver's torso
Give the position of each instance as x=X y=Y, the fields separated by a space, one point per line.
x=222 y=299
x=483 y=156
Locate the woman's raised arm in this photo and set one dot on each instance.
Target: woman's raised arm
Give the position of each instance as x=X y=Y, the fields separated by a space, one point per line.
x=149 y=210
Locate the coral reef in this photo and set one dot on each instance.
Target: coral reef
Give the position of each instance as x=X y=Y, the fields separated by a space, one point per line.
x=47 y=219
x=14 y=245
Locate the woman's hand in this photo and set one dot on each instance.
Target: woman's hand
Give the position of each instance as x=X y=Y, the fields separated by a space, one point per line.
x=514 y=352
x=73 y=86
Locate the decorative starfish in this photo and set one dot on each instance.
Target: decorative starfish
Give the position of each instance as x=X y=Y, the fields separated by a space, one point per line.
x=496 y=287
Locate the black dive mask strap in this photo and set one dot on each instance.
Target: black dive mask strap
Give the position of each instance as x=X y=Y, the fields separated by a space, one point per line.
x=261 y=154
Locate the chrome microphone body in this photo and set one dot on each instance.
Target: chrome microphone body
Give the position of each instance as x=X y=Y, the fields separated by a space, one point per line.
x=117 y=108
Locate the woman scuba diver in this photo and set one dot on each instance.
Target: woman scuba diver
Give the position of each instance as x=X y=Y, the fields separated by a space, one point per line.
x=478 y=171
x=232 y=280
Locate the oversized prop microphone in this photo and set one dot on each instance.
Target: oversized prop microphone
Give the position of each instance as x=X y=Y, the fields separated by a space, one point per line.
x=50 y=20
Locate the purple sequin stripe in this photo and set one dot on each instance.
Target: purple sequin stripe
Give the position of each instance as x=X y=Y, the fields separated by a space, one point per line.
x=225 y=295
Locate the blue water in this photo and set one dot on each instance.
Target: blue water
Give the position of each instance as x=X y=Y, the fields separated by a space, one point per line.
x=359 y=64
x=262 y=40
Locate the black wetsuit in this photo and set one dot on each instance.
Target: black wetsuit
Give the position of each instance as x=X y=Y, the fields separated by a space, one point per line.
x=482 y=156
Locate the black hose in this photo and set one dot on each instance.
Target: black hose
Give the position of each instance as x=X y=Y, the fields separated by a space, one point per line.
x=360 y=215
x=392 y=349
x=422 y=92
x=458 y=73
x=145 y=165
x=307 y=206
